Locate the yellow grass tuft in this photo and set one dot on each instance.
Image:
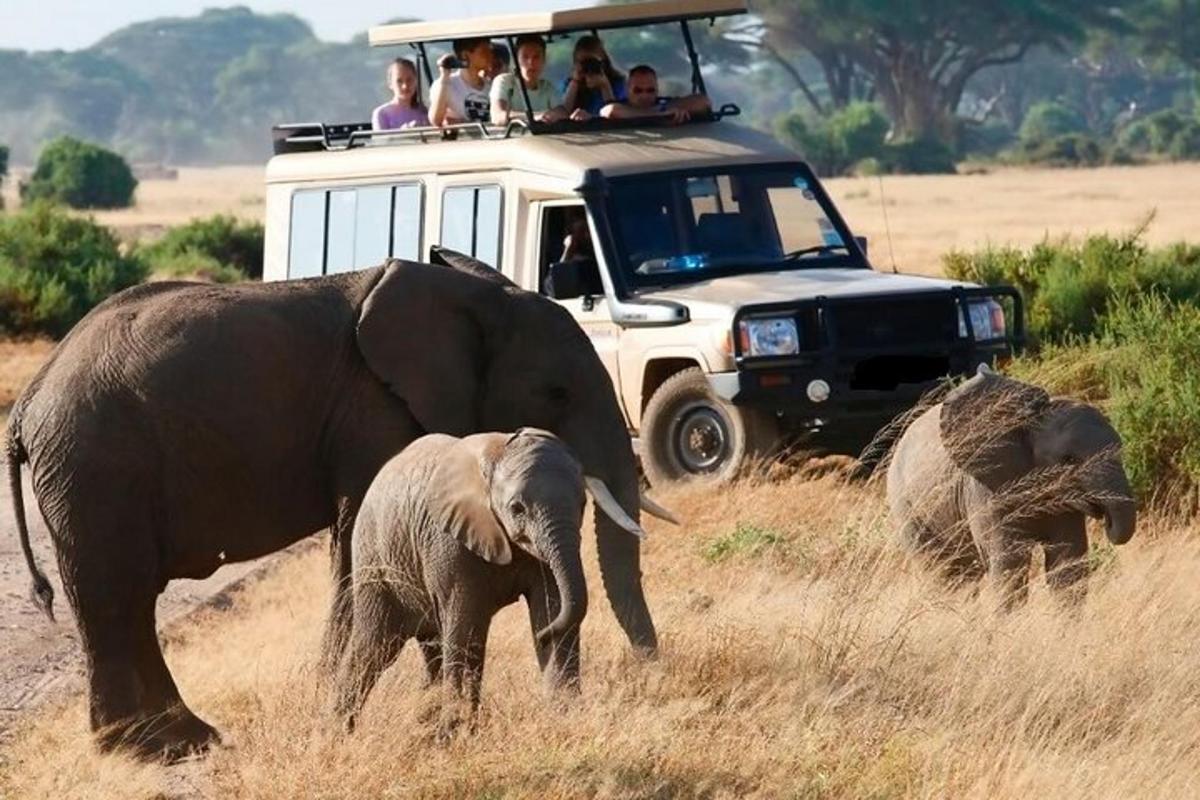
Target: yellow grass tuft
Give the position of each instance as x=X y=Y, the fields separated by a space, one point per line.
x=809 y=658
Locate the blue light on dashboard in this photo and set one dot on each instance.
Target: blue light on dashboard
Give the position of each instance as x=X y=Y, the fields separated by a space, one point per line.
x=800 y=183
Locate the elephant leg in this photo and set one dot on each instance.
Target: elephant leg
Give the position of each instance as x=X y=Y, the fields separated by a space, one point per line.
x=1066 y=563
x=464 y=646
x=1008 y=568
x=558 y=659
x=377 y=636
x=341 y=611
x=111 y=571
x=431 y=653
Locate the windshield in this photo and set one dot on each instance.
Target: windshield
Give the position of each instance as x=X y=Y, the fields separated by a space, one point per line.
x=686 y=227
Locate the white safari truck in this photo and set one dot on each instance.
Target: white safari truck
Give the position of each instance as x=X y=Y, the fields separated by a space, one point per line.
x=728 y=298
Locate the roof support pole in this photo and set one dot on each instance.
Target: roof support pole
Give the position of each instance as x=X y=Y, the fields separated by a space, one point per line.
x=425 y=63
x=516 y=62
x=697 y=77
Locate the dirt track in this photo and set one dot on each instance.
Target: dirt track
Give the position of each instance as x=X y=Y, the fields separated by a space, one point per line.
x=39 y=658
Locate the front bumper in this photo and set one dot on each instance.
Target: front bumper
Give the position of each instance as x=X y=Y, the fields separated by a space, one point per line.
x=877 y=355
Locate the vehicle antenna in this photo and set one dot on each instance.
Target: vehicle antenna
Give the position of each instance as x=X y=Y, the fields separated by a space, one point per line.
x=887 y=227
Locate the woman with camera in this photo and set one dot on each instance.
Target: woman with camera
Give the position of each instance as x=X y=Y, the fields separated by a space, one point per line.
x=594 y=82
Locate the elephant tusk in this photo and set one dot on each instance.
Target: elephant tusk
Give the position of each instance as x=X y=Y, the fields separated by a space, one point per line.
x=654 y=509
x=609 y=505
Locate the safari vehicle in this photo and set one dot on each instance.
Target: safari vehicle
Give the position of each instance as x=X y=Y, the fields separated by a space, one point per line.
x=731 y=304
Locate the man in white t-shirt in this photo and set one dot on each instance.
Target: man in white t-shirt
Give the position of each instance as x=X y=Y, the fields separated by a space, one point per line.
x=507 y=98
x=461 y=95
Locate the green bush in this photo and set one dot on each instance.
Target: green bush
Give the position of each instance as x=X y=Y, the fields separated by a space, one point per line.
x=1067 y=150
x=986 y=140
x=193 y=265
x=919 y=157
x=82 y=175
x=858 y=131
x=1164 y=133
x=55 y=267
x=1070 y=286
x=223 y=239
x=1049 y=120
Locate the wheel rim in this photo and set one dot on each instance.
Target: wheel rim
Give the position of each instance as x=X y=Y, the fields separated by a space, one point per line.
x=700 y=439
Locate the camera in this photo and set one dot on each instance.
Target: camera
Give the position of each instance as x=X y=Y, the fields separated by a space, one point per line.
x=449 y=61
x=591 y=66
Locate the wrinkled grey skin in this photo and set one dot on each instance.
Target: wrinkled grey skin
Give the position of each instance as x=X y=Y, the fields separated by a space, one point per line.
x=451 y=531
x=997 y=469
x=180 y=426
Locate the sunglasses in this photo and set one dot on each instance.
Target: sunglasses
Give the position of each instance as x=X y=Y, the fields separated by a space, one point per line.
x=643 y=91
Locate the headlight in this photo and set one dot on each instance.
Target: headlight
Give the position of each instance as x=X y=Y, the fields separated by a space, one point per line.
x=987 y=320
x=768 y=337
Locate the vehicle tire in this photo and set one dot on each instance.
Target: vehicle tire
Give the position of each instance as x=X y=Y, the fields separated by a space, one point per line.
x=689 y=433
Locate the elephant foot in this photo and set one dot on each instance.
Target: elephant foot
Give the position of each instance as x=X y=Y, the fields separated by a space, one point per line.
x=169 y=737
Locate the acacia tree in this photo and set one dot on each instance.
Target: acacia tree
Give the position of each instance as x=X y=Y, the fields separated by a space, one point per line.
x=1171 y=29
x=918 y=56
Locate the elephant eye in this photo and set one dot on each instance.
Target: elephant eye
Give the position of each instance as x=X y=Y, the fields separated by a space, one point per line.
x=517 y=508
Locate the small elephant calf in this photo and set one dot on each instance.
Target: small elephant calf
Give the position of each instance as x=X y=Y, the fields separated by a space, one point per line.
x=451 y=531
x=999 y=468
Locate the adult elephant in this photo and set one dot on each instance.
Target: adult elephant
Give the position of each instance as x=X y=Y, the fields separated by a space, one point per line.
x=180 y=426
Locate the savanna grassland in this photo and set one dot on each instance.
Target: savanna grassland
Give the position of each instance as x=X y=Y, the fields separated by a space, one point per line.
x=802 y=657
x=803 y=654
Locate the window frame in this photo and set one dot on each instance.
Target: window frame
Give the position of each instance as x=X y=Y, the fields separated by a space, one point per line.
x=500 y=220
x=325 y=192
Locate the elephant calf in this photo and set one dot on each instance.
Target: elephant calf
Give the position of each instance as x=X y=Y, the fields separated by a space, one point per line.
x=451 y=531
x=999 y=468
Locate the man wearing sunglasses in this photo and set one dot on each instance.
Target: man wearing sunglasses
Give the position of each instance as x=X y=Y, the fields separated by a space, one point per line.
x=644 y=100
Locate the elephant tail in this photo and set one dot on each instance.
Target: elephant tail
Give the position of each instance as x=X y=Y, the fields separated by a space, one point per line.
x=42 y=593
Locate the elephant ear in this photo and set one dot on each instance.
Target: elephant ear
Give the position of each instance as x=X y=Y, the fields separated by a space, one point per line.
x=445 y=257
x=985 y=427
x=462 y=493
x=423 y=331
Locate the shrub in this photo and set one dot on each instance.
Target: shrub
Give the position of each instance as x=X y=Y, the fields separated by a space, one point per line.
x=82 y=175
x=745 y=540
x=1185 y=145
x=1068 y=150
x=3 y=170
x=919 y=157
x=813 y=142
x=1163 y=133
x=223 y=239
x=1070 y=286
x=1049 y=120
x=54 y=267
x=192 y=265
x=984 y=140
x=858 y=131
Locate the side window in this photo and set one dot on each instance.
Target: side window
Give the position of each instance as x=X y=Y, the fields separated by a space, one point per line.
x=471 y=219
x=340 y=230
x=406 y=223
x=567 y=265
x=306 y=248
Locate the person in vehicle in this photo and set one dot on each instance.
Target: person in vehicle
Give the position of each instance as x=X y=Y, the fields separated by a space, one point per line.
x=508 y=100
x=594 y=82
x=645 y=101
x=405 y=109
x=501 y=61
x=461 y=94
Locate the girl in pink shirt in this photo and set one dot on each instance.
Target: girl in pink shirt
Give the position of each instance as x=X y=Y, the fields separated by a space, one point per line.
x=405 y=109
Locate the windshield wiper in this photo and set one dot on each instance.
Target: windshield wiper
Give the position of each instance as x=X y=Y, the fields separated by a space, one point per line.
x=816 y=249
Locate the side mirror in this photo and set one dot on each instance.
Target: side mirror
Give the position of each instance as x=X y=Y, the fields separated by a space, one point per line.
x=861 y=241
x=569 y=279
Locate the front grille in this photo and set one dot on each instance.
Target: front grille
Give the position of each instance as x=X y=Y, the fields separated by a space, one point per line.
x=896 y=322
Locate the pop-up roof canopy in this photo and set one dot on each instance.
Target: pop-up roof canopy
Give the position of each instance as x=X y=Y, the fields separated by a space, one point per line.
x=556 y=22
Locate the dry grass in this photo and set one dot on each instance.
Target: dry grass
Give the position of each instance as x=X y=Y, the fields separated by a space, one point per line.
x=802 y=657
x=19 y=360
x=929 y=215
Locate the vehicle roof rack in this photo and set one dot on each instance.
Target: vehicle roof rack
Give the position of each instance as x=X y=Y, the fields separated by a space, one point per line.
x=596 y=18
x=307 y=137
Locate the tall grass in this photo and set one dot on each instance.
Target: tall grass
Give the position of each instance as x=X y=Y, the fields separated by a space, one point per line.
x=825 y=665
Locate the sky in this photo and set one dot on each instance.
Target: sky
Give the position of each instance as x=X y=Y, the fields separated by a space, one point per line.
x=72 y=24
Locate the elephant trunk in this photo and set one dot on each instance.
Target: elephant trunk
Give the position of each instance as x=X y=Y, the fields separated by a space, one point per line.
x=567 y=568
x=1118 y=506
x=604 y=451
x=1120 y=519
